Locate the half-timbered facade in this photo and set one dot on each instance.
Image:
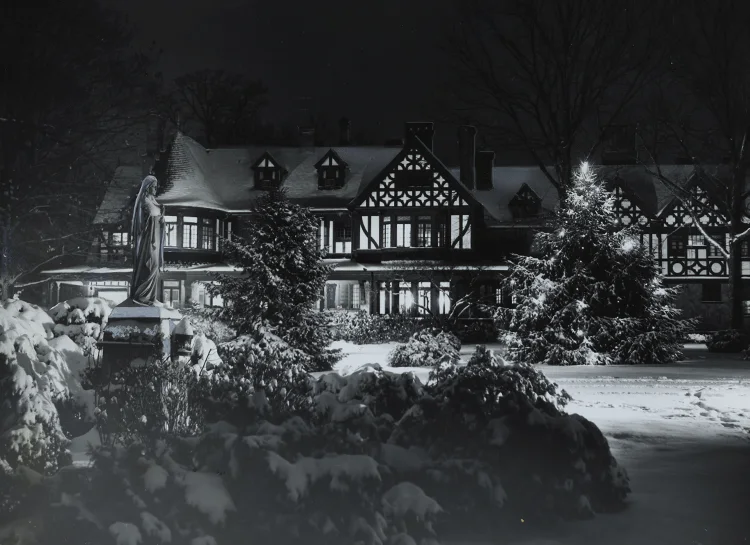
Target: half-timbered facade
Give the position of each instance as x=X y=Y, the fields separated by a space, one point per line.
x=402 y=231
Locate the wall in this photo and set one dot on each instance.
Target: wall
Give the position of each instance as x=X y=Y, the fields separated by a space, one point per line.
x=711 y=316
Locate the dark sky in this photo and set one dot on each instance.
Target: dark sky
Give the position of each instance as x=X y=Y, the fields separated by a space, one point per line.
x=377 y=62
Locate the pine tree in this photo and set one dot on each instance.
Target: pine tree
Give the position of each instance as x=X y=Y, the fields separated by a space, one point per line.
x=591 y=293
x=283 y=275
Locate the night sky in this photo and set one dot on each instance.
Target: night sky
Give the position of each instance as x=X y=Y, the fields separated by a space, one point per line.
x=379 y=63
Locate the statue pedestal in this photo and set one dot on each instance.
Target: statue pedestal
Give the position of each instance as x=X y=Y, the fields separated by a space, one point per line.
x=138 y=331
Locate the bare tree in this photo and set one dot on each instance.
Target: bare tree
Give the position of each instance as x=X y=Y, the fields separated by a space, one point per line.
x=551 y=78
x=72 y=92
x=223 y=107
x=703 y=113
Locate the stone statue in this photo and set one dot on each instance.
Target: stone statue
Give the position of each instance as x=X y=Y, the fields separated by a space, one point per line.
x=147 y=234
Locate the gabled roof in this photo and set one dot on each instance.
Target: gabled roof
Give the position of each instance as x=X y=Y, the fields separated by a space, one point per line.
x=123 y=187
x=222 y=178
x=647 y=190
x=266 y=161
x=413 y=144
x=331 y=158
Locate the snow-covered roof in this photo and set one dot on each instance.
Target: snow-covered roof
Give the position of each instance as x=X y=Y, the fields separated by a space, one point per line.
x=650 y=192
x=348 y=265
x=222 y=179
x=89 y=269
x=124 y=184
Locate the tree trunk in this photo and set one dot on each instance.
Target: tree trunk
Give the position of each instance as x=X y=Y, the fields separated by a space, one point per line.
x=5 y=282
x=735 y=255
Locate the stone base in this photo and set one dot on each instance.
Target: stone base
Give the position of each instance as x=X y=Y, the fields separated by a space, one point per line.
x=137 y=331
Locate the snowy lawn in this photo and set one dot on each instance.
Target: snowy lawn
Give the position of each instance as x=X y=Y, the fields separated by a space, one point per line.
x=682 y=431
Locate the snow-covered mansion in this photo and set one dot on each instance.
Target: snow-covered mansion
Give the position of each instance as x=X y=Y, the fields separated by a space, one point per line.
x=398 y=225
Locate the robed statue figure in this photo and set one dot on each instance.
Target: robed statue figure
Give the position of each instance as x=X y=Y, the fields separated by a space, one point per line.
x=147 y=234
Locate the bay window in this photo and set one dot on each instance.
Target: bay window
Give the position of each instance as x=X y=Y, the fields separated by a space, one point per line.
x=208 y=234
x=190 y=232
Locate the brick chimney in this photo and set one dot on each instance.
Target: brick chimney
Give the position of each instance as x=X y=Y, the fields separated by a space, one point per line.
x=424 y=130
x=345 y=132
x=467 y=149
x=485 y=161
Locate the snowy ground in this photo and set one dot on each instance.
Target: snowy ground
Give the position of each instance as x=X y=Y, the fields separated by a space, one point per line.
x=683 y=433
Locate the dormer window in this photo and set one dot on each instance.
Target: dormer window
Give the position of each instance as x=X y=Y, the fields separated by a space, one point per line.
x=268 y=172
x=331 y=171
x=526 y=204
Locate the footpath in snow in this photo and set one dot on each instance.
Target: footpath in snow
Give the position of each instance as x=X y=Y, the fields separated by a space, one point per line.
x=682 y=432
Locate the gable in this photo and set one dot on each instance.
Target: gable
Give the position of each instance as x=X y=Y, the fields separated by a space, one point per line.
x=628 y=206
x=266 y=161
x=330 y=159
x=415 y=178
x=675 y=214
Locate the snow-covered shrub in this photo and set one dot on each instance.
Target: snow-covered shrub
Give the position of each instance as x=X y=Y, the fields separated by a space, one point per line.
x=33 y=376
x=206 y=322
x=147 y=401
x=426 y=348
x=311 y=334
x=697 y=338
x=477 y=331
x=364 y=328
x=371 y=457
x=82 y=319
x=728 y=341
x=503 y=426
x=322 y=479
x=261 y=377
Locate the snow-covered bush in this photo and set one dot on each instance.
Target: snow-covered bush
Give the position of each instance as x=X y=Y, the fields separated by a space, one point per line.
x=506 y=425
x=260 y=376
x=34 y=375
x=477 y=331
x=426 y=348
x=147 y=401
x=82 y=319
x=206 y=322
x=364 y=328
x=731 y=341
x=372 y=457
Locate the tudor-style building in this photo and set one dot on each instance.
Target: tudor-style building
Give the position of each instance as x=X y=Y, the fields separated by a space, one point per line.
x=403 y=232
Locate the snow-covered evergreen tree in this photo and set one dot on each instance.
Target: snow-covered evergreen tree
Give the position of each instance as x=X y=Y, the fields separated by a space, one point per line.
x=283 y=275
x=591 y=294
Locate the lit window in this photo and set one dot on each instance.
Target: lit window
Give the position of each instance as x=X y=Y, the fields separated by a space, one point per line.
x=461 y=232
x=189 y=232
x=424 y=298
x=342 y=237
x=385 y=238
x=208 y=234
x=405 y=298
x=444 y=298
x=170 y=227
x=120 y=239
x=171 y=293
x=403 y=231
x=424 y=231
